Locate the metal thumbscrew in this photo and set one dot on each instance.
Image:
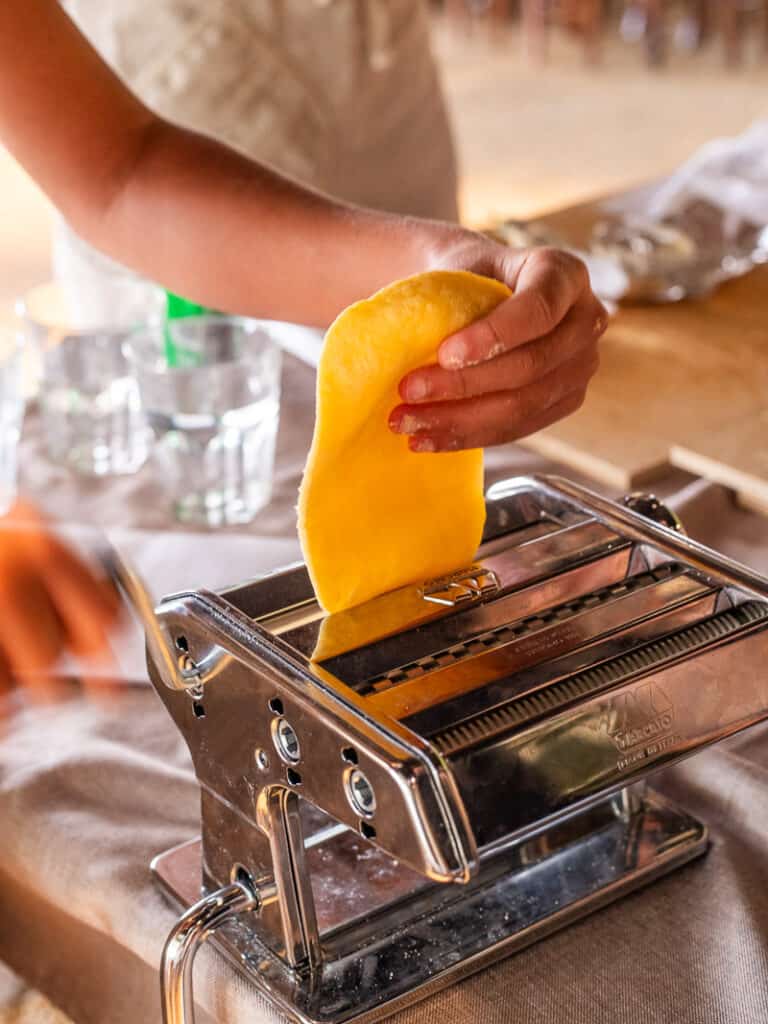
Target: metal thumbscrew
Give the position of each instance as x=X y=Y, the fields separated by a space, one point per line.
x=649 y=506
x=286 y=741
x=360 y=793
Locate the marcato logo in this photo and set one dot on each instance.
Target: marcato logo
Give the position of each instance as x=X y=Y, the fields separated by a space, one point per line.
x=637 y=716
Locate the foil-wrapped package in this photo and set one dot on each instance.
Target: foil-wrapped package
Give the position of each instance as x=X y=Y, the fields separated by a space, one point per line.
x=704 y=224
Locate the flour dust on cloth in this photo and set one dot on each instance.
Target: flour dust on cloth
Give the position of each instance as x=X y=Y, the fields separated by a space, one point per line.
x=341 y=94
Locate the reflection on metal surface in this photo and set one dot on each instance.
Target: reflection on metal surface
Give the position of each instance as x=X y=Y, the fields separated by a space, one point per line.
x=366 y=666
x=403 y=610
x=558 y=640
x=498 y=742
x=560 y=692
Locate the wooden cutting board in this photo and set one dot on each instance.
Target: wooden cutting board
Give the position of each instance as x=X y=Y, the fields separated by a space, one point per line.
x=682 y=385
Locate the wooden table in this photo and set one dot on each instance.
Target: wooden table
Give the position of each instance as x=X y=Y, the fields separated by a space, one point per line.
x=684 y=384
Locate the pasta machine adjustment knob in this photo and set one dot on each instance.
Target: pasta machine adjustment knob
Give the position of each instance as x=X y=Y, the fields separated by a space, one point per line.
x=360 y=793
x=286 y=741
x=649 y=506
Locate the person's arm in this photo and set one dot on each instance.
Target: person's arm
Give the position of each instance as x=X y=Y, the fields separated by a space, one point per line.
x=177 y=206
x=50 y=602
x=210 y=224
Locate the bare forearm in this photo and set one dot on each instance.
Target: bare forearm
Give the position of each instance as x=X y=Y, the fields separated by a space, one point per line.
x=218 y=228
x=213 y=225
x=183 y=209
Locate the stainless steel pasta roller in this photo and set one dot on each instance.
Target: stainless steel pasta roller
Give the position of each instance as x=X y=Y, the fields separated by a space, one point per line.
x=395 y=796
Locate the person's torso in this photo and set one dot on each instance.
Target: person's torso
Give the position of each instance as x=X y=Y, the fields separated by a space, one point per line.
x=342 y=94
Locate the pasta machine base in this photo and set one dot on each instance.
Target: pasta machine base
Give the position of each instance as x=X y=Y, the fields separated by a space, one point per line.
x=427 y=939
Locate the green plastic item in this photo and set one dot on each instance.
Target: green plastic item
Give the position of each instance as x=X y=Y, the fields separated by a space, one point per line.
x=177 y=308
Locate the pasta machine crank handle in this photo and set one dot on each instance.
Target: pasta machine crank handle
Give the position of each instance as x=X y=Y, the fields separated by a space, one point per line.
x=186 y=937
x=177 y=670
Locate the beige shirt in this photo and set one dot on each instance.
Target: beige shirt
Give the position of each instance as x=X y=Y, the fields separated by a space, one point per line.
x=342 y=94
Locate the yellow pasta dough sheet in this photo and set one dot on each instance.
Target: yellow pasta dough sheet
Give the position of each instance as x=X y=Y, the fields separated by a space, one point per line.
x=373 y=515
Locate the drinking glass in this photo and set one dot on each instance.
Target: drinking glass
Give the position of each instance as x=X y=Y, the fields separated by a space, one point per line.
x=210 y=388
x=11 y=413
x=89 y=400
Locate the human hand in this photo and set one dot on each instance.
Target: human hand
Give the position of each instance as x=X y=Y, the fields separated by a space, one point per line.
x=50 y=603
x=516 y=371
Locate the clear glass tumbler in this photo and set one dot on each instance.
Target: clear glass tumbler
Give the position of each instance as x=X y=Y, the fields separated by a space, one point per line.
x=210 y=388
x=89 y=400
x=11 y=413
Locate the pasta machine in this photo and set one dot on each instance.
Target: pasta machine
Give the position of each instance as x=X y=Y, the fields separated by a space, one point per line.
x=397 y=795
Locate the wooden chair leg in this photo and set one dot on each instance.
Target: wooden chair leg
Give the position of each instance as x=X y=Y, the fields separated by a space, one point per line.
x=696 y=26
x=500 y=17
x=704 y=13
x=456 y=9
x=534 y=20
x=732 y=27
x=593 y=30
x=585 y=19
x=464 y=13
x=655 y=32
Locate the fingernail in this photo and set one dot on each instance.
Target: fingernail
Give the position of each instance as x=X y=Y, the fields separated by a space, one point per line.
x=422 y=444
x=403 y=423
x=453 y=354
x=416 y=388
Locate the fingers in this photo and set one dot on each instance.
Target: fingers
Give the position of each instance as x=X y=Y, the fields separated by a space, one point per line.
x=492 y=434
x=6 y=678
x=547 y=284
x=500 y=416
x=50 y=602
x=578 y=333
x=31 y=633
x=515 y=371
x=88 y=607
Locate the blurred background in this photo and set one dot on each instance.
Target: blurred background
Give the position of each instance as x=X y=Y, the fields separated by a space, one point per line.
x=560 y=108
x=552 y=101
